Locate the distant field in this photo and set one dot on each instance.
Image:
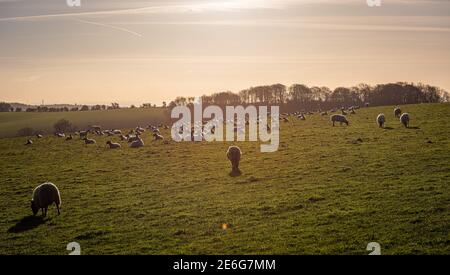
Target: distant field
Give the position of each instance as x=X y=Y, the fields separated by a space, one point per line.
x=324 y=192
x=11 y=122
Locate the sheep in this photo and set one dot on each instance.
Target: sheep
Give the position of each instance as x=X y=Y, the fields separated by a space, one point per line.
x=29 y=142
x=234 y=155
x=324 y=113
x=69 y=137
x=137 y=143
x=60 y=135
x=113 y=145
x=344 y=113
x=39 y=136
x=301 y=117
x=132 y=138
x=44 y=195
x=404 y=119
x=117 y=132
x=158 y=136
x=352 y=111
x=89 y=141
x=381 y=119
x=397 y=112
x=339 y=118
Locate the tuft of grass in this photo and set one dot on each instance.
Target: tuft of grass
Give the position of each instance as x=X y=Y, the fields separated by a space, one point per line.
x=321 y=193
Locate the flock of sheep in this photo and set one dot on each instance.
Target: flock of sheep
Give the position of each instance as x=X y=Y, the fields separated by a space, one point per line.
x=47 y=194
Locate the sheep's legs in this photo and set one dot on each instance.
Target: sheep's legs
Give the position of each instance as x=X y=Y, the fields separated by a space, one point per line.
x=57 y=207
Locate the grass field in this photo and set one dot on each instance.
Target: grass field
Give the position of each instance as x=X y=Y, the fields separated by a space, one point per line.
x=10 y=123
x=323 y=192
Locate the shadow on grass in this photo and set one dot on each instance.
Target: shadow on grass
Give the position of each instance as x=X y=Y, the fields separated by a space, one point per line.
x=26 y=223
x=414 y=128
x=388 y=128
x=235 y=173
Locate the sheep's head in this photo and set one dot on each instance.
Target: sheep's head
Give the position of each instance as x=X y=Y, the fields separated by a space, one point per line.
x=34 y=208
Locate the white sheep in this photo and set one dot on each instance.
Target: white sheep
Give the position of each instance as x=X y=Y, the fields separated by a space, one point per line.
x=381 y=119
x=29 y=142
x=137 y=143
x=234 y=155
x=404 y=119
x=113 y=145
x=44 y=195
x=339 y=118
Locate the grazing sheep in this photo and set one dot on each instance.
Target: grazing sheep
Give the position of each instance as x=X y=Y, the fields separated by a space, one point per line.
x=381 y=119
x=404 y=119
x=69 y=137
x=158 y=136
x=39 y=136
x=89 y=141
x=113 y=145
x=344 y=113
x=339 y=118
x=324 y=113
x=234 y=155
x=301 y=117
x=44 y=195
x=137 y=143
x=397 y=112
x=29 y=142
x=60 y=135
x=123 y=138
x=117 y=132
x=132 y=138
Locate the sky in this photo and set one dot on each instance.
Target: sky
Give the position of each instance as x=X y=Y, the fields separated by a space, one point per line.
x=135 y=52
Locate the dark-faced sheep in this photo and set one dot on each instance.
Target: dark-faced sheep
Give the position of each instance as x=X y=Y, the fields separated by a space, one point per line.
x=113 y=145
x=43 y=196
x=381 y=119
x=404 y=119
x=29 y=142
x=397 y=112
x=234 y=155
x=339 y=118
x=89 y=141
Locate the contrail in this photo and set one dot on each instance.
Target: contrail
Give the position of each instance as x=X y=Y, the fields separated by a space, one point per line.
x=110 y=26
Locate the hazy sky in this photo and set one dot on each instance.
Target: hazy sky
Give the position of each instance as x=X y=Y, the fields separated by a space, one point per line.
x=133 y=52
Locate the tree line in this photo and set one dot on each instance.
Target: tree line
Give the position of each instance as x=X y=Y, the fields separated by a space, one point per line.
x=299 y=96
x=291 y=98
